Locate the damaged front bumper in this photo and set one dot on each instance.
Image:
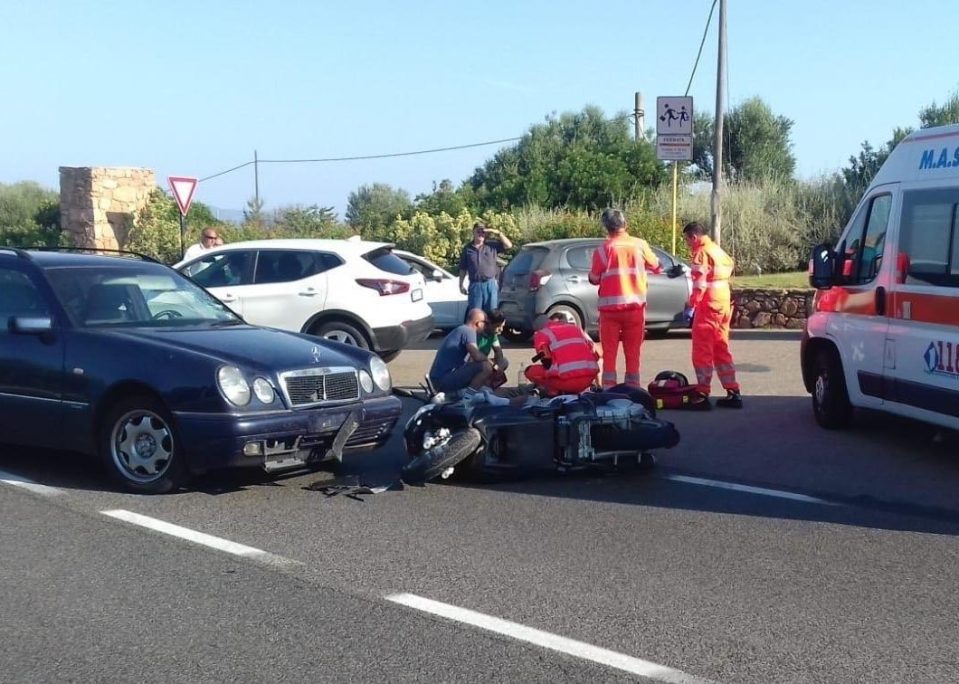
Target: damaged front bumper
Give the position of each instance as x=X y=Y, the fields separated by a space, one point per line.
x=288 y=439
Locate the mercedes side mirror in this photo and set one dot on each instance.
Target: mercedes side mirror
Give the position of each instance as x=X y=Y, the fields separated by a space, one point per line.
x=822 y=267
x=676 y=271
x=30 y=325
x=437 y=275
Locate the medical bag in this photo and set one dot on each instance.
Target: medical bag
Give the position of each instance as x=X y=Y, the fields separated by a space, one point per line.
x=672 y=390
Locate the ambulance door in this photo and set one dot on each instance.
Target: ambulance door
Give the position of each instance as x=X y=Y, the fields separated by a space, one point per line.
x=924 y=323
x=860 y=302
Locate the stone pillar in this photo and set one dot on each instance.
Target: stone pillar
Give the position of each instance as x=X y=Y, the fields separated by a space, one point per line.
x=97 y=204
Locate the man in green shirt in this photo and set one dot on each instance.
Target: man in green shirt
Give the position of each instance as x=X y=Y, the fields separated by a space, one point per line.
x=487 y=341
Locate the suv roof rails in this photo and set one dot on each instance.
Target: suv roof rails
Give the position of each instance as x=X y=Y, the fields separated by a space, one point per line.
x=23 y=254
x=121 y=252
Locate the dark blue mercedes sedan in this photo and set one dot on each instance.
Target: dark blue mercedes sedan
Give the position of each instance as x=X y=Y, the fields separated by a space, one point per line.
x=126 y=359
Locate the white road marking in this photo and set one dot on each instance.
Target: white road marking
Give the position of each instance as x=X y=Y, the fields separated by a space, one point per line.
x=217 y=543
x=762 y=491
x=22 y=482
x=554 y=642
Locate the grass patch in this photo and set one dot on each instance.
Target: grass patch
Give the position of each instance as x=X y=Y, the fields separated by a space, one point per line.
x=785 y=281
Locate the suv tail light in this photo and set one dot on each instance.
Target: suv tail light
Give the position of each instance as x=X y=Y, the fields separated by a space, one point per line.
x=537 y=279
x=384 y=286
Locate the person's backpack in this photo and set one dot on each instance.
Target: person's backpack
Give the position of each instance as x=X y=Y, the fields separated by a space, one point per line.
x=671 y=390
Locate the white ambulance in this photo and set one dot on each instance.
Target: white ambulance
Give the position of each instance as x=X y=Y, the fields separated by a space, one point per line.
x=883 y=332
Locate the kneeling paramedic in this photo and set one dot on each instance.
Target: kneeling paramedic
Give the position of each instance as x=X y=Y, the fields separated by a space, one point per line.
x=569 y=360
x=710 y=306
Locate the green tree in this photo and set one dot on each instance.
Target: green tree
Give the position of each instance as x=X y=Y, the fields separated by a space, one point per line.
x=254 y=211
x=307 y=222
x=445 y=198
x=373 y=207
x=579 y=160
x=155 y=231
x=940 y=115
x=862 y=168
x=29 y=215
x=756 y=144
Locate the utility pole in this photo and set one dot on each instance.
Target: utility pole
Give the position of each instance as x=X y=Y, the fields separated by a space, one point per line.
x=718 y=142
x=639 y=115
x=256 y=180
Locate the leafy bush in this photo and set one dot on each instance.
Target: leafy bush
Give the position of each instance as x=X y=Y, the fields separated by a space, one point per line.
x=29 y=215
x=441 y=238
x=156 y=230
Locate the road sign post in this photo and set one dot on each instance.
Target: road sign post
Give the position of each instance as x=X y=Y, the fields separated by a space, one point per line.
x=674 y=138
x=183 y=188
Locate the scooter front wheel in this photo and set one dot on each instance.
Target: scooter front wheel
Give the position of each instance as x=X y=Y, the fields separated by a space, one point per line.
x=434 y=461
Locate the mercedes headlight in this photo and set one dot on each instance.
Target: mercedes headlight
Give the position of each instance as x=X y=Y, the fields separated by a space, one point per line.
x=263 y=390
x=380 y=373
x=366 y=381
x=233 y=385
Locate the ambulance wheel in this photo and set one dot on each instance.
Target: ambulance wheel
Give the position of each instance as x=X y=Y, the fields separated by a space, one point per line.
x=830 y=400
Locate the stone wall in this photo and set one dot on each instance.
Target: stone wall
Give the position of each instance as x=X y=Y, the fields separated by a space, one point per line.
x=97 y=204
x=770 y=308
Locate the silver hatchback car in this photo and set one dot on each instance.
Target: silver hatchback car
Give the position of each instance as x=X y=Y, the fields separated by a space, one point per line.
x=547 y=277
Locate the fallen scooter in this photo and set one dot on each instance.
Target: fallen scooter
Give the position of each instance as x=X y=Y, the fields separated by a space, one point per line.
x=484 y=441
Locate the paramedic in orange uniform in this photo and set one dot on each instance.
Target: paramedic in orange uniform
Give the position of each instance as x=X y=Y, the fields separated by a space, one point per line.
x=569 y=359
x=710 y=305
x=619 y=268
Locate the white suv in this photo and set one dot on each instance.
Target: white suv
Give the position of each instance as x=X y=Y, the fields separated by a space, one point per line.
x=350 y=291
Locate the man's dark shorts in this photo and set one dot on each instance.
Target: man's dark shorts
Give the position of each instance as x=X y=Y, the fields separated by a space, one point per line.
x=458 y=378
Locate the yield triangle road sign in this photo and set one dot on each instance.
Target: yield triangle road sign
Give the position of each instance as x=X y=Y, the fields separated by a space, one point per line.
x=183 y=190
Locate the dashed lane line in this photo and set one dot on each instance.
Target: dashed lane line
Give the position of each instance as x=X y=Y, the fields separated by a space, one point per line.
x=208 y=540
x=553 y=642
x=15 y=480
x=747 y=489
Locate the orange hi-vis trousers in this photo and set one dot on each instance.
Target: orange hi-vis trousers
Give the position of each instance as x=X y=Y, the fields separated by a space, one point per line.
x=629 y=327
x=711 y=343
x=554 y=385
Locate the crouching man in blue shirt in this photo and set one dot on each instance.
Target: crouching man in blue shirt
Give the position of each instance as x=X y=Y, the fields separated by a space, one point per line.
x=459 y=364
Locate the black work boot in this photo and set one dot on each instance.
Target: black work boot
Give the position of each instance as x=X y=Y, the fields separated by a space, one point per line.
x=699 y=402
x=732 y=400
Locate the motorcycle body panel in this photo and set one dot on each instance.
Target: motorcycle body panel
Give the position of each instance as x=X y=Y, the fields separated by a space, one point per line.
x=596 y=428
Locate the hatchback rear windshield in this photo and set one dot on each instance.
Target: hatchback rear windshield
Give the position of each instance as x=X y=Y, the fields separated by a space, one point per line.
x=384 y=259
x=527 y=261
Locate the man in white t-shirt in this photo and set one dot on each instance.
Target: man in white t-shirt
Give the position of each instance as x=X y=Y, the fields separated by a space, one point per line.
x=208 y=240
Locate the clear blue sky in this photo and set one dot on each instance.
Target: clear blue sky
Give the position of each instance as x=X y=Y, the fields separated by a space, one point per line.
x=192 y=88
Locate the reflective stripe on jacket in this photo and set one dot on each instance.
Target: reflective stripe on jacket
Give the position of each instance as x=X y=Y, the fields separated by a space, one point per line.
x=569 y=349
x=620 y=265
x=711 y=270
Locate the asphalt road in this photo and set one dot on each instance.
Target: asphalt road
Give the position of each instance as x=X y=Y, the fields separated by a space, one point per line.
x=762 y=549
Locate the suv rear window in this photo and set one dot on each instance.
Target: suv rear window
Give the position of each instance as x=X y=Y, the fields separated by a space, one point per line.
x=384 y=259
x=526 y=261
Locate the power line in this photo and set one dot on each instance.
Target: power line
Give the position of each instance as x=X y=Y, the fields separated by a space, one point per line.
x=223 y=173
x=701 y=44
x=389 y=155
x=364 y=156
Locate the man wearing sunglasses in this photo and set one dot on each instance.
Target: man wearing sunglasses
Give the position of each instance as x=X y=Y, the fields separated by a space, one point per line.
x=209 y=239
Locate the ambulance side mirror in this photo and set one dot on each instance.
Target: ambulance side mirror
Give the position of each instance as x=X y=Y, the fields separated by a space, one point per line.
x=822 y=267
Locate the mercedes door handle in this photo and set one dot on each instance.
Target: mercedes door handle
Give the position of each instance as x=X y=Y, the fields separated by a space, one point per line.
x=575 y=279
x=228 y=299
x=309 y=292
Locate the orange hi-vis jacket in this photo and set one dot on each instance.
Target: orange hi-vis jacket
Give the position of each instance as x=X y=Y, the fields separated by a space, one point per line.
x=568 y=348
x=619 y=266
x=711 y=271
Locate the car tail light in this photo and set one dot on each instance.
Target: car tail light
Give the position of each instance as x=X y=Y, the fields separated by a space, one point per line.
x=383 y=286
x=537 y=279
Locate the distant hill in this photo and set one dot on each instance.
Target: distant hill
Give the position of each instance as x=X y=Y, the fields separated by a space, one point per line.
x=227 y=215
